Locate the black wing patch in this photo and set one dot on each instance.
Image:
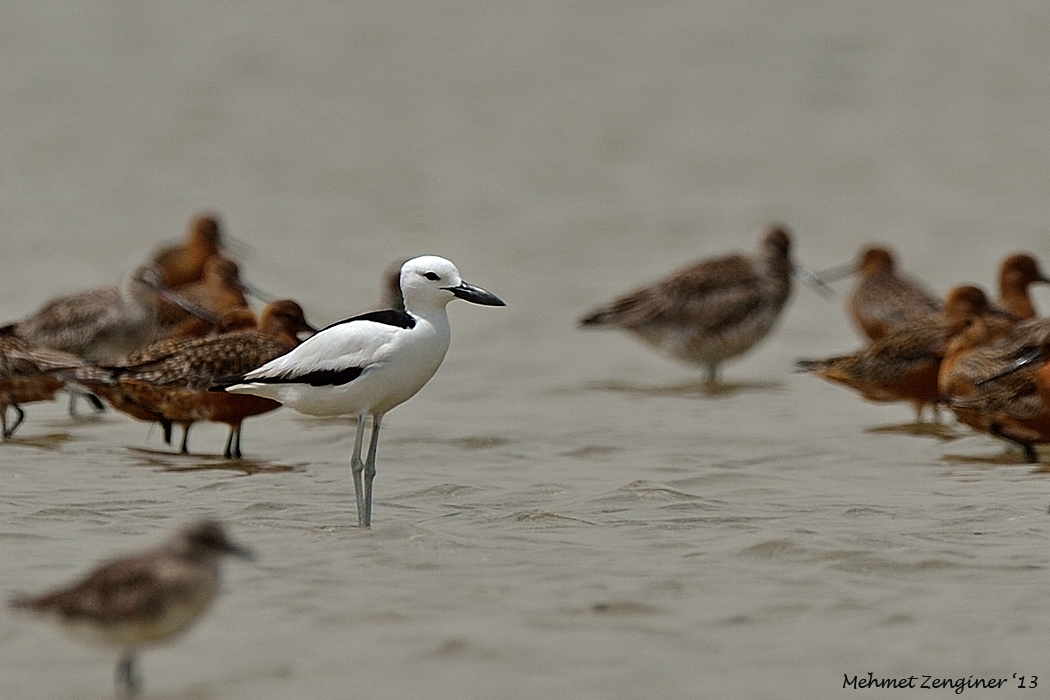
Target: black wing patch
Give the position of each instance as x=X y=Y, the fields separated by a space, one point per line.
x=389 y=317
x=317 y=377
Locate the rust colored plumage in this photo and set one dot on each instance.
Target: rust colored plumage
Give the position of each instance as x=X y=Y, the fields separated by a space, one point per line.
x=993 y=387
x=1016 y=274
x=184 y=263
x=28 y=373
x=219 y=290
x=711 y=311
x=885 y=301
x=904 y=365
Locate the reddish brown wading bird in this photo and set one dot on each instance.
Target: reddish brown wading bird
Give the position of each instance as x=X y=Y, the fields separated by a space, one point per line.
x=219 y=290
x=884 y=300
x=1016 y=274
x=994 y=388
x=142 y=600
x=711 y=311
x=27 y=374
x=182 y=264
x=168 y=381
x=904 y=365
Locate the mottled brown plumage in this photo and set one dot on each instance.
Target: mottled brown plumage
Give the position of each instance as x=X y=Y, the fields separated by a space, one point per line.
x=168 y=381
x=184 y=263
x=710 y=311
x=27 y=374
x=101 y=325
x=904 y=365
x=140 y=600
x=885 y=301
x=993 y=388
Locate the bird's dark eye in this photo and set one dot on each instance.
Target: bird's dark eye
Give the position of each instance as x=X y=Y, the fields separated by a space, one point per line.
x=432 y=276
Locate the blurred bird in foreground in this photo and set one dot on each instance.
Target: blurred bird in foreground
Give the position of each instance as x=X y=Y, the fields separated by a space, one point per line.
x=141 y=600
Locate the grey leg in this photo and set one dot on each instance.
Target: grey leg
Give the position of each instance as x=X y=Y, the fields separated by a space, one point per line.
x=127 y=681
x=356 y=467
x=370 y=467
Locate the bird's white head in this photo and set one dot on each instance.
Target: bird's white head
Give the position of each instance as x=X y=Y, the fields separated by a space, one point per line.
x=429 y=281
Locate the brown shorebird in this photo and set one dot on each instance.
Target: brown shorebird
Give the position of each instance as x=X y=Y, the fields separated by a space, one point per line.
x=711 y=311
x=103 y=324
x=904 y=365
x=219 y=290
x=144 y=599
x=27 y=374
x=1016 y=273
x=168 y=381
x=182 y=264
x=102 y=382
x=884 y=300
x=993 y=386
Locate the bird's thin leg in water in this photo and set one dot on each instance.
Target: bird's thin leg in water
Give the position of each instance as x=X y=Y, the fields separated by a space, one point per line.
x=127 y=681
x=185 y=448
x=233 y=443
x=1030 y=455
x=357 y=466
x=370 y=467
x=19 y=417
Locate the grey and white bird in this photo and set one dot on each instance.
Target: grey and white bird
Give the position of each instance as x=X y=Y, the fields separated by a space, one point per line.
x=104 y=324
x=366 y=365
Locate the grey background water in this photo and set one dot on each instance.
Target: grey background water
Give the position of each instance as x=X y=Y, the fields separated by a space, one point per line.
x=558 y=513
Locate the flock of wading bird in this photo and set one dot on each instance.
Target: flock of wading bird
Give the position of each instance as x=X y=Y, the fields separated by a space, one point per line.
x=177 y=342
x=988 y=362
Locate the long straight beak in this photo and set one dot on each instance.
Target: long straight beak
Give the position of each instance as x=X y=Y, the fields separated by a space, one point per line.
x=170 y=297
x=476 y=295
x=836 y=273
x=813 y=281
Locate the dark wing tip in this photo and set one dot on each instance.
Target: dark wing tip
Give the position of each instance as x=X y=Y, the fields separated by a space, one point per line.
x=808 y=365
x=224 y=383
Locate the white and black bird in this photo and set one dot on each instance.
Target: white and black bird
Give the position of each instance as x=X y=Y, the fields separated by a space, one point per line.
x=366 y=365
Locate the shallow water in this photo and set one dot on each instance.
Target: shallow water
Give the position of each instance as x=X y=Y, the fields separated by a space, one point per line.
x=558 y=513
